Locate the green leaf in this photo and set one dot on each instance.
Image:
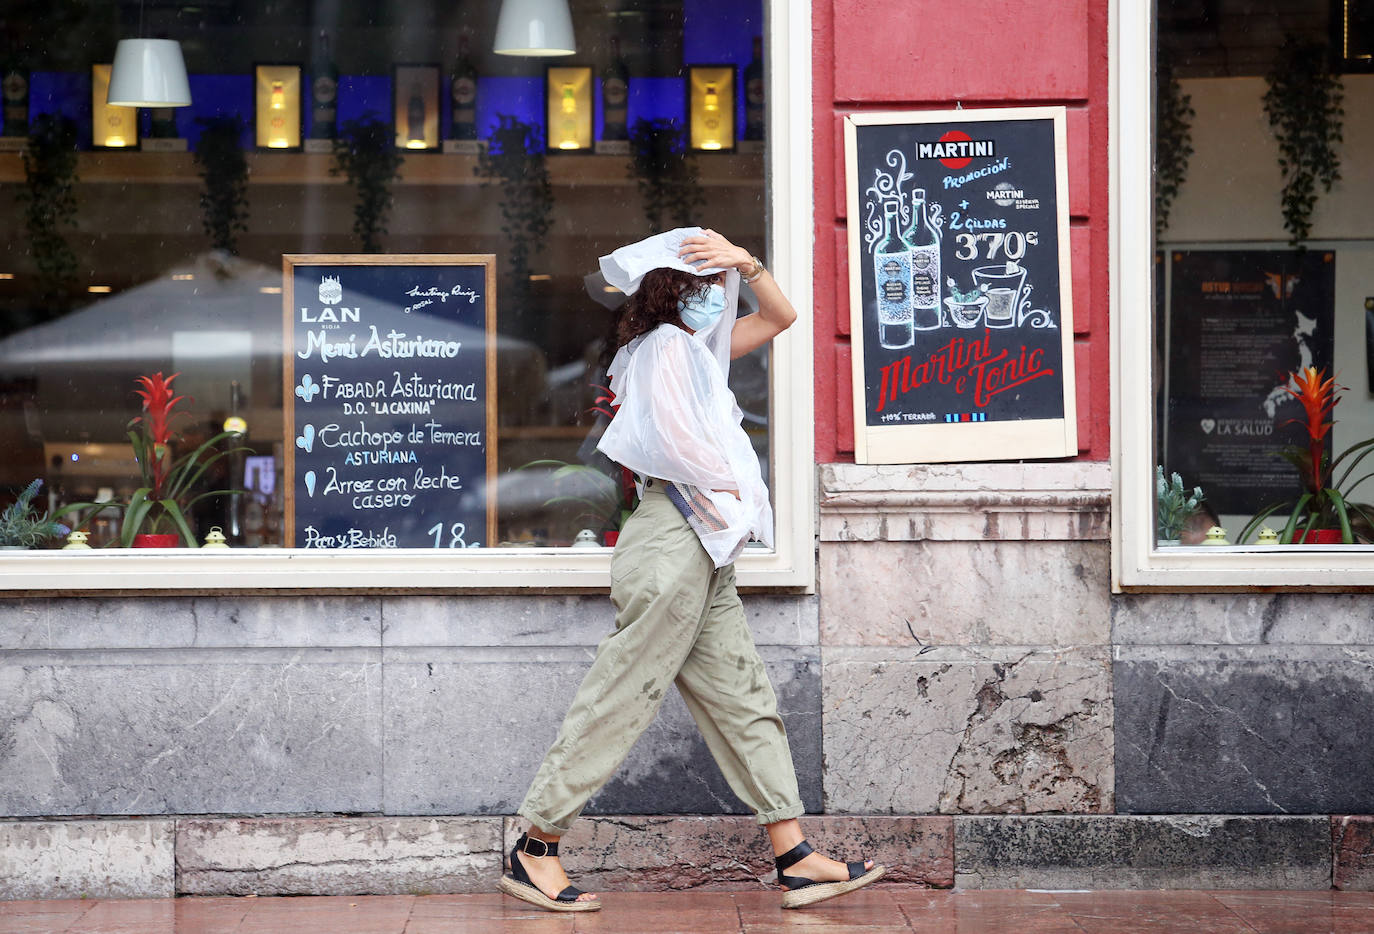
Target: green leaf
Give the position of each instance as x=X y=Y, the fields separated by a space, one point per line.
x=137 y=511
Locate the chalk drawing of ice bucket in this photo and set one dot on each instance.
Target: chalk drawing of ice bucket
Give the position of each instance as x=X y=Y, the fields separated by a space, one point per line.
x=1005 y=283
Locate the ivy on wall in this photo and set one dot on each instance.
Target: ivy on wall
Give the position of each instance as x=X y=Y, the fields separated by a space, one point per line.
x=515 y=160
x=1303 y=104
x=1173 y=140
x=49 y=200
x=365 y=153
x=224 y=169
x=666 y=172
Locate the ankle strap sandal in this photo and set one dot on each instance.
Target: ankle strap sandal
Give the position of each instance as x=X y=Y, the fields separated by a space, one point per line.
x=519 y=885
x=802 y=891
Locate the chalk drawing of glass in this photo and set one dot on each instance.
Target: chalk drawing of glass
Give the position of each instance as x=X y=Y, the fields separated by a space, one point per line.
x=1003 y=283
x=965 y=308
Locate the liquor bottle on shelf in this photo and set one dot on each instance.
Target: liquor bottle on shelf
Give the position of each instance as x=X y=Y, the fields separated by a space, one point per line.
x=163 y=135
x=615 y=96
x=16 y=95
x=163 y=122
x=925 y=265
x=755 y=100
x=415 y=118
x=892 y=281
x=463 y=90
x=324 y=92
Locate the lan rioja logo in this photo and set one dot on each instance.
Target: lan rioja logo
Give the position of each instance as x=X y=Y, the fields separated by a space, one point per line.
x=331 y=292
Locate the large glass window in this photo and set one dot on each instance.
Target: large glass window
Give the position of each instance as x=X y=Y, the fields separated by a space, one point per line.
x=1261 y=280
x=139 y=242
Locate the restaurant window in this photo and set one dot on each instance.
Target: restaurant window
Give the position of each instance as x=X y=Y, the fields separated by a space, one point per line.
x=143 y=242
x=1254 y=243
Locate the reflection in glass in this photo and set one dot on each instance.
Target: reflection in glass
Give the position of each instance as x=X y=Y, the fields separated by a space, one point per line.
x=148 y=292
x=1262 y=272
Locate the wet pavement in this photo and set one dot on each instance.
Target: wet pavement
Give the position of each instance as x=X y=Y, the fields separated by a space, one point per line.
x=881 y=910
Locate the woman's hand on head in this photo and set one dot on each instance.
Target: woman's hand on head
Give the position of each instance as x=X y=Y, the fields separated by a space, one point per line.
x=709 y=249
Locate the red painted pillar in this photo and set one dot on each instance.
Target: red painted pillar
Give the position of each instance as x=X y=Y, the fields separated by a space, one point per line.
x=934 y=55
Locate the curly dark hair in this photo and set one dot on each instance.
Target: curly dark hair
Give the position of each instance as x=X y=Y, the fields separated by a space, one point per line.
x=655 y=302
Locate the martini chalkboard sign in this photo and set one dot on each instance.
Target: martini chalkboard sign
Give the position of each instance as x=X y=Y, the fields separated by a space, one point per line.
x=961 y=314
x=389 y=382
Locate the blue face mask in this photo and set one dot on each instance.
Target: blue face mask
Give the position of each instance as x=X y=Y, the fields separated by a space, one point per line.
x=701 y=311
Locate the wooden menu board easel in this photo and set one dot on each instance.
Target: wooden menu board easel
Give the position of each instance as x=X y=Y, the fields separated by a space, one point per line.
x=389 y=389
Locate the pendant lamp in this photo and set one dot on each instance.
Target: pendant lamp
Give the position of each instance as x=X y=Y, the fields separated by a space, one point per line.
x=148 y=73
x=534 y=27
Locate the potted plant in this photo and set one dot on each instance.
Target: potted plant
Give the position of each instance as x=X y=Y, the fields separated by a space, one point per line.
x=1322 y=513
x=155 y=515
x=666 y=172
x=1303 y=105
x=49 y=198
x=515 y=161
x=224 y=169
x=21 y=528
x=365 y=152
x=1173 y=505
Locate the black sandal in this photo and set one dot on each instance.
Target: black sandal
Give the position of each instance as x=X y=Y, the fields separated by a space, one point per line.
x=518 y=883
x=802 y=892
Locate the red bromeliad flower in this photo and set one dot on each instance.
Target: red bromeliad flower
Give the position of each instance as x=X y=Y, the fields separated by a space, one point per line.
x=157 y=404
x=1318 y=397
x=604 y=403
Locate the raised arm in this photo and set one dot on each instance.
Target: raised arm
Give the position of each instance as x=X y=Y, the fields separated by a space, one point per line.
x=775 y=313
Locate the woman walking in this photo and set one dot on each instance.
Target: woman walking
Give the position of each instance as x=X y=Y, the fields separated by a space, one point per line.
x=678 y=617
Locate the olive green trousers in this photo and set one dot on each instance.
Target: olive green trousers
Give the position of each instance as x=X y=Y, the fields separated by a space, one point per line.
x=678 y=620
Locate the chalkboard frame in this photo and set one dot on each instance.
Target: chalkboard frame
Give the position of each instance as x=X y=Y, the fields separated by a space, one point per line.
x=944 y=442
x=289 y=262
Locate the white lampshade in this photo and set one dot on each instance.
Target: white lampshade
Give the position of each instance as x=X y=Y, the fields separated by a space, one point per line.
x=534 y=27
x=148 y=73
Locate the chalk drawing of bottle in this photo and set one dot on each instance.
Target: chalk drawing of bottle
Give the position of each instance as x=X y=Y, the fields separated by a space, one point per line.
x=924 y=237
x=892 y=280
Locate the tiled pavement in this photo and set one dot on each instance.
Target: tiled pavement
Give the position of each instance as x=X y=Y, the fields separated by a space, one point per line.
x=881 y=910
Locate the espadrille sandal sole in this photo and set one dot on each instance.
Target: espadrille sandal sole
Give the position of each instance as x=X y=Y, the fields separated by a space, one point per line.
x=823 y=891
x=528 y=893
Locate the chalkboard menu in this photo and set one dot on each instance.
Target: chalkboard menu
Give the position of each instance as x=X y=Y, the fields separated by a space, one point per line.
x=1238 y=322
x=960 y=306
x=389 y=382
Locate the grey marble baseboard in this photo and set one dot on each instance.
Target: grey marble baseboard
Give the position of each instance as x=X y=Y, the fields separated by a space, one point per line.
x=86 y=859
x=1145 y=852
x=156 y=858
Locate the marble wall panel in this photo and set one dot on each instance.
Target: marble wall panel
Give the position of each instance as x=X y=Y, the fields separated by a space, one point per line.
x=964 y=592
x=337 y=856
x=189 y=622
x=967 y=730
x=190 y=731
x=1244 y=729
x=1156 y=852
x=466 y=730
x=532 y=620
x=1242 y=619
x=86 y=859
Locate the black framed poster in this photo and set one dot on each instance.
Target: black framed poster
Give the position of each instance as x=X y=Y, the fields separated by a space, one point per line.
x=1239 y=322
x=960 y=304
x=389 y=377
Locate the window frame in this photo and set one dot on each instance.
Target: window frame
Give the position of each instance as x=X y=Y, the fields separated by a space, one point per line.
x=789 y=564
x=1137 y=563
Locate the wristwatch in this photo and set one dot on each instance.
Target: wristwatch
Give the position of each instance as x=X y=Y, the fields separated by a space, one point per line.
x=758 y=269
